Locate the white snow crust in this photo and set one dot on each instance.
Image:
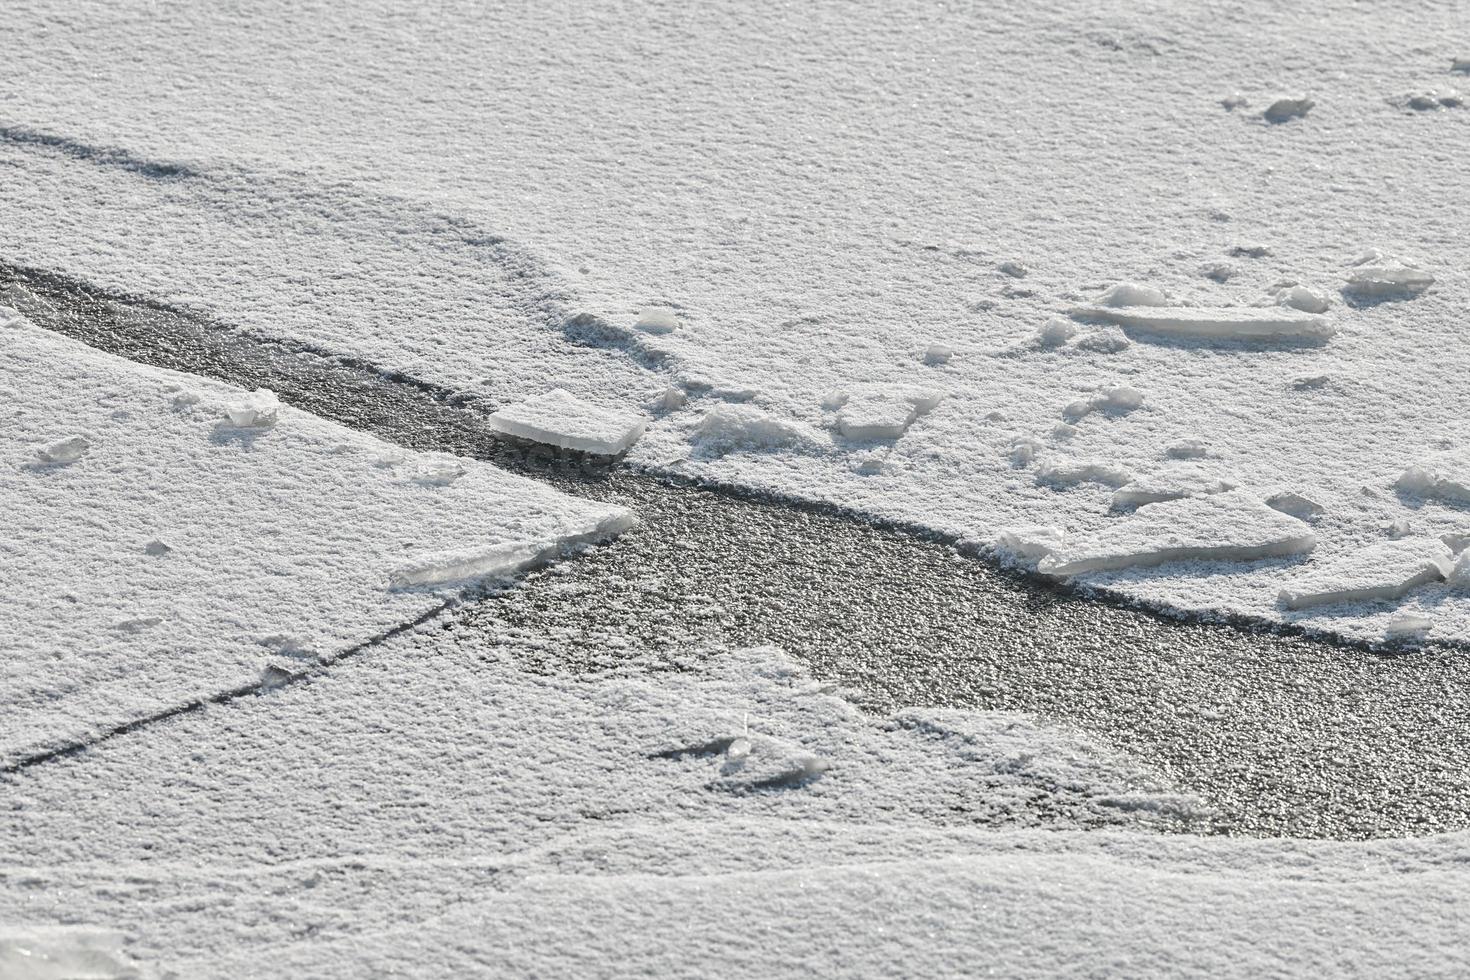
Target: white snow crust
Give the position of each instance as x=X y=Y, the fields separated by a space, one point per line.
x=145 y=573
x=1387 y=570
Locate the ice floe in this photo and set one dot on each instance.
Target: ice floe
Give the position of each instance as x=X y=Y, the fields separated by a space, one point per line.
x=64 y=451
x=727 y=428
x=882 y=414
x=1386 y=570
x=258 y=410
x=1215 y=323
x=1225 y=526
x=1170 y=484
x=1301 y=507
x=1301 y=298
x=1283 y=110
x=657 y=320
x=1379 y=276
x=1073 y=472
x=1442 y=476
x=559 y=418
x=1027 y=545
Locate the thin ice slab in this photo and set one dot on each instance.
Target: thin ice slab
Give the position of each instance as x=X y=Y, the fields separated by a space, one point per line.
x=1230 y=526
x=1387 y=570
x=1216 y=323
x=190 y=550
x=559 y=418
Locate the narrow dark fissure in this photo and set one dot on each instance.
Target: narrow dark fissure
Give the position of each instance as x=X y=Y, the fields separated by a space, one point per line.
x=1283 y=734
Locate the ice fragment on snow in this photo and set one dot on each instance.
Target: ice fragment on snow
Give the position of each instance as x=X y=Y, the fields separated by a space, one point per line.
x=1286 y=109
x=1433 y=100
x=884 y=415
x=1224 y=526
x=186 y=398
x=1298 y=506
x=1385 y=570
x=1456 y=541
x=438 y=471
x=1027 y=545
x=657 y=319
x=258 y=410
x=1218 y=271
x=1064 y=430
x=1459 y=574
x=1302 y=298
x=1013 y=268
x=157 y=548
x=64 y=451
x=1460 y=65
x=1070 y=473
x=10 y=318
x=673 y=399
x=64 y=953
x=1443 y=476
x=1024 y=449
x=1132 y=294
x=1113 y=398
x=727 y=428
x=1055 y=332
x=1108 y=340
x=1250 y=251
x=1398 y=528
x=1215 y=323
x=938 y=354
x=1187 y=449
x=559 y=418
x=470 y=564
x=1407 y=625
x=1234 y=101
x=1170 y=484
x=1379 y=276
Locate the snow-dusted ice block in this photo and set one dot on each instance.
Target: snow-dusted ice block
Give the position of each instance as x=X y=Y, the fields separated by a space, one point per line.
x=64 y=953
x=883 y=415
x=1224 y=526
x=1386 y=570
x=1171 y=484
x=1379 y=276
x=1216 y=323
x=1072 y=472
x=1443 y=476
x=559 y=418
x=151 y=570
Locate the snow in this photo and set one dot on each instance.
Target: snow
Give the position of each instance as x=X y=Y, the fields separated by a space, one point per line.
x=1055 y=332
x=938 y=354
x=64 y=451
x=1027 y=545
x=1218 y=323
x=1387 y=570
x=64 y=953
x=1064 y=473
x=1231 y=526
x=727 y=428
x=1127 y=294
x=559 y=418
x=293 y=529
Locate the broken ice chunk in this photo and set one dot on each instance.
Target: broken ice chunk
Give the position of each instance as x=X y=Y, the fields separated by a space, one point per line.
x=1302 y=298
x=936 y=354
x=1385 y=570
x=1445 y=476
x=1055 y=332
x=559 y=418
x=726 y=428
x=1459 y=574
x=1070 y=473
x=1379 y=276
x=1170 y=484
x=64 y=953
x=157 y=548
x=1132 y=294
x=1014 y=269
x=1406 y=626
x=1224 y=526
x=1398 y=528
x=1024 y=449
x=1027 y=545
x=1114 y=398
x=1250 y=251
x=258 y=410
x=1108 y=340
x=10 y=318
x=1302 y=508
x=883 y=415
x=1456 y=541
x=437 y=471
x=1187 y=449
x=1215 y=323
x=1286 y=109
x=657 y=319
x=64 y=451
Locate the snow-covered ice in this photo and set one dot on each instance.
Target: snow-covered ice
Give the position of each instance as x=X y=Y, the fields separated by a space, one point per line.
x=883 y=414
x=288 y=529
x=1387 y=570
x=1232 y=526
x=1064 y=473
x=1299 y=297
x=1442 y=476
x=1285 y=109
x=559 y=418
x=1379 y=276
x=658 y=320
x=1215 y=323
x=1171 y=483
